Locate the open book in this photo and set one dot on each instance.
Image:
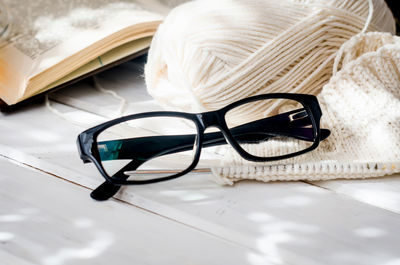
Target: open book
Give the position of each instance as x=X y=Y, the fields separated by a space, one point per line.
x=49 y=43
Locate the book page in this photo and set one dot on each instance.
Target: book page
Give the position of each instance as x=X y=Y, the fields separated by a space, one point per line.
x=47 y=32
x=14 y=67
x=43 y=33
x=40 y=26
x=105 y=59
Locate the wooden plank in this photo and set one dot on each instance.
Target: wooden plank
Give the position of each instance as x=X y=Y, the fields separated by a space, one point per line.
x=9 y=259
x=288 y=222
x=44 y=220
x=383 y=192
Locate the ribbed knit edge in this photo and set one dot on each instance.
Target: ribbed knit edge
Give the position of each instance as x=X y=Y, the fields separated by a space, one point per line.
x=307 y=171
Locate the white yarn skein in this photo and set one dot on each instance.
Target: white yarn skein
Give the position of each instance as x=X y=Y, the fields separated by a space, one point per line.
x=207 y=54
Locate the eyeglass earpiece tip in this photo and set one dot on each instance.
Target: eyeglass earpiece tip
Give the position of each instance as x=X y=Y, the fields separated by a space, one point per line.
x=325 y=134
x=97 y=196
x=104 y=192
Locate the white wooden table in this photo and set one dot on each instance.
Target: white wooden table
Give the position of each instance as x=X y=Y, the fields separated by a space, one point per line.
x=47 y=216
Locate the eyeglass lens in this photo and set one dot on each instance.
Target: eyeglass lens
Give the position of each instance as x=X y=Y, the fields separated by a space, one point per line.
x=148 y=148
x=270 y=128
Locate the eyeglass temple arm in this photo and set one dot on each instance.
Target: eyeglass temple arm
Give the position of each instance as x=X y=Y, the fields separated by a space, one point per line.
x=145 y=148
x=108 y=189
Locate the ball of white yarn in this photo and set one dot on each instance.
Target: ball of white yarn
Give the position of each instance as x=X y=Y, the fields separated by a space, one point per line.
x=209 y=53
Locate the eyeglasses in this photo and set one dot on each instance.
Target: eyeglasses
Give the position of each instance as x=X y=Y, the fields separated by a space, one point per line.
x=158 y=146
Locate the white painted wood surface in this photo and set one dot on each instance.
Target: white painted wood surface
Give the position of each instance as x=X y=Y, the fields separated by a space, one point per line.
x=45 y=220
x=333 y=222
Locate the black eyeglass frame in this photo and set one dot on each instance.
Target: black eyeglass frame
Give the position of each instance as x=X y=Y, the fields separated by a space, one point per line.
x=87 y=140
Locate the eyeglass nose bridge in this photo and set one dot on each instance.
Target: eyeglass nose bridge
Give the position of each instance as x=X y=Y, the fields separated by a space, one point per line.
x=209 y=119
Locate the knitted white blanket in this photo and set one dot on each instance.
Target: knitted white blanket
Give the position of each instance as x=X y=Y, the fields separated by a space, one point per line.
x=361 y=107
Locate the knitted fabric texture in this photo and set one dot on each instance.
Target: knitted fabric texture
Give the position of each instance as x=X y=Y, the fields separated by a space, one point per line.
x=208 y=53
x=361 y=107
